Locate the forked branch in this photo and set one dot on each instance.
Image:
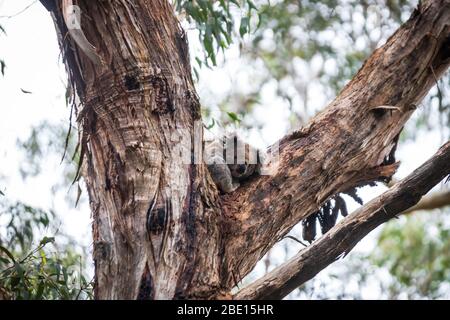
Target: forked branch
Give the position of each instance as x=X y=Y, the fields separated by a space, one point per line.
x=345 y=235
x=350 y=143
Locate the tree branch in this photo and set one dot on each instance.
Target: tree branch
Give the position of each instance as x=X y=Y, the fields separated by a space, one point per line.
x=348 y=144
x=433 y=201
x=345 y=235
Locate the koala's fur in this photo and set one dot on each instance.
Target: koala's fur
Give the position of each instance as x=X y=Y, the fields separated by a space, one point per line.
x=230 y=161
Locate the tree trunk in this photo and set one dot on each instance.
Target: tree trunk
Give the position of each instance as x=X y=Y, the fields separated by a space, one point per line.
x=156 y=220
x=161 y=230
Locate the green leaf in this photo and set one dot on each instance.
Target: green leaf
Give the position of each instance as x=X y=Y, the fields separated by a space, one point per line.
x=2 y=67
x=196 y=73
x=212 y=124
x=79 y=191
x=19 y=270
x=46 y=240
x=251 y=5
x=43 y=257
x=8 y=253
x=236 y=3
x=233 y=116
x=245 y=26
x=208 y=44
x=25 y=91
x=40 y=290
x=199 y=62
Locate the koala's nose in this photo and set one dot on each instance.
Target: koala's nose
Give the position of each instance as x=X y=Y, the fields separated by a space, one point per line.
x=241 y=168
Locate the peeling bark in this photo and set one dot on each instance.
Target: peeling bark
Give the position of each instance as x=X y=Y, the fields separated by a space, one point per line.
x=150 y=210
x=160 y=230
x=347 y=144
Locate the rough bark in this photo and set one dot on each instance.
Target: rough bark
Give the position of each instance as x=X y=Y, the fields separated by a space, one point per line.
x=160 y=228
x=156 y=222
x=346 y=144
x=346 y=234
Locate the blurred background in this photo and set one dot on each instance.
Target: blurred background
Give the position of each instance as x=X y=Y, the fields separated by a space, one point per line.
x=262 y=68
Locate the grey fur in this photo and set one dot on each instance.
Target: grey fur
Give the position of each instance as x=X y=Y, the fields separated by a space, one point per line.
x=230 y=160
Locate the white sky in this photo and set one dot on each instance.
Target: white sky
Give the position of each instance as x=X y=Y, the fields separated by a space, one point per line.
x=32 y=56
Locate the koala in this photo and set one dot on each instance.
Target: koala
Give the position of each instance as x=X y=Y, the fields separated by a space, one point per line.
x=230 y=161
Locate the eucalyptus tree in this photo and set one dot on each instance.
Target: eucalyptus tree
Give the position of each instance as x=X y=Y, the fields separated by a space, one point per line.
x=161 y=229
